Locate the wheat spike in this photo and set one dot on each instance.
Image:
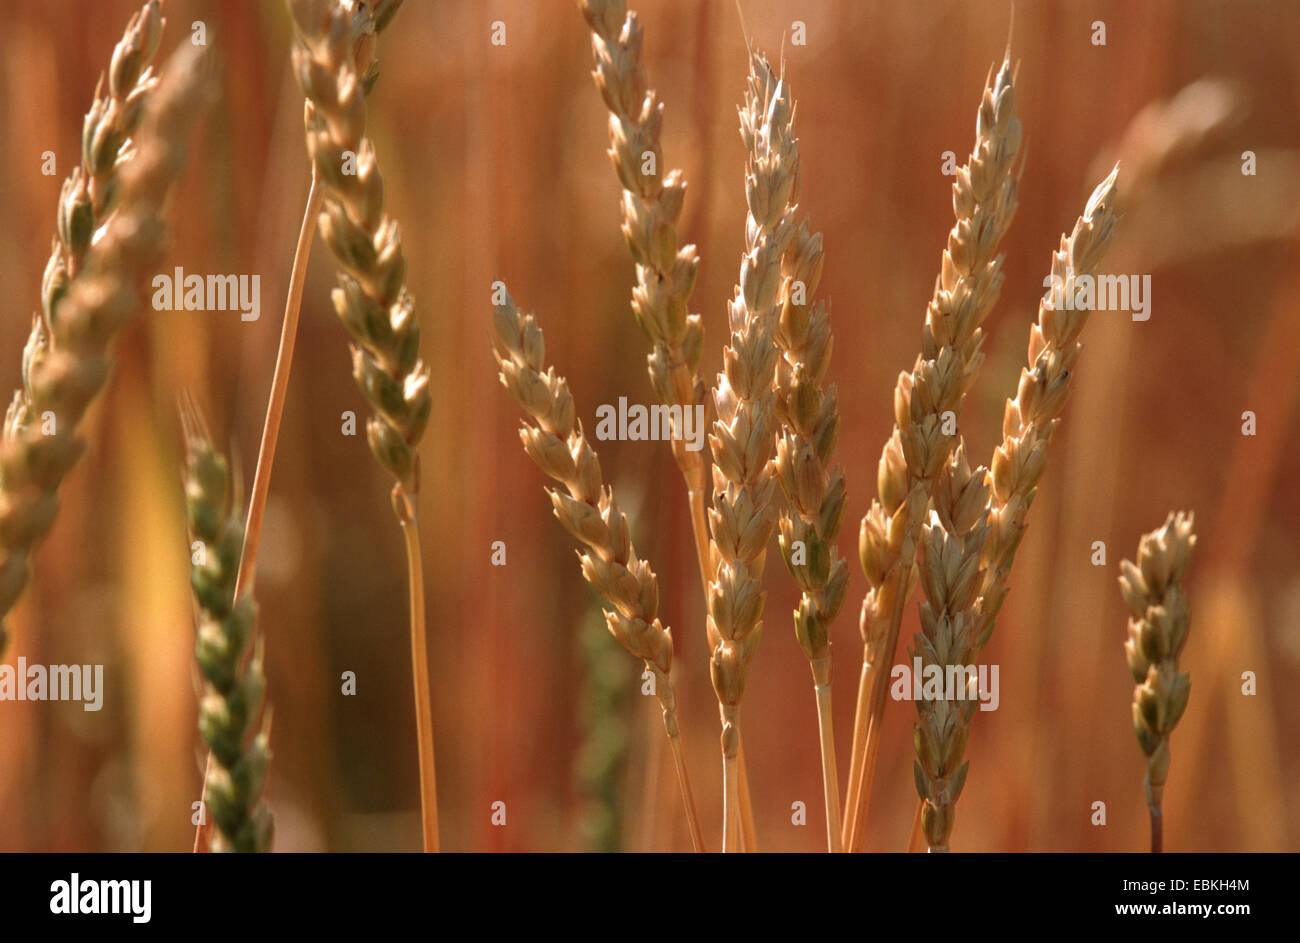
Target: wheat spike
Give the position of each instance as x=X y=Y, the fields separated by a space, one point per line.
x=949 y=563
x=332 y=59
x=651 y=207
x=813 y=488
x=553 y=438
x=743 y=437
x=371 y=300
x=965 y=291
x=1157 y=631
x=953 y=635
x=93 y=283
x=229 y=658
x=1030 y=419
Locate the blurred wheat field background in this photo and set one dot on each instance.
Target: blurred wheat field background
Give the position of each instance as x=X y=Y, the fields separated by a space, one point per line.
x=495 y=166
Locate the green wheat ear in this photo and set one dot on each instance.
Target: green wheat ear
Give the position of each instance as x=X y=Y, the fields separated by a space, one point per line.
x=229 y=655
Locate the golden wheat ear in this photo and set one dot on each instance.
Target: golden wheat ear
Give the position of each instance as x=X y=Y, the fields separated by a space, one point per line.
x=927 y=401
x=651 y=208
x=1030 y=418
x=553 y=438
x=948 y=560
x=743 y=438
x=95 y=279
x=329 y=57
x=1157 y=630
x=814 y=488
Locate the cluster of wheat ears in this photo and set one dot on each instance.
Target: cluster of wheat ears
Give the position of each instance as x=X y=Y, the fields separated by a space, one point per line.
x=769 y=471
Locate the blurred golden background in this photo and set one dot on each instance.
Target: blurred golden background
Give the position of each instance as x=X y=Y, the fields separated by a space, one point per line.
x=495 y=165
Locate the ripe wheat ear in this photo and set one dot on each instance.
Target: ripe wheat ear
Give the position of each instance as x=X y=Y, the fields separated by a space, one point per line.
x=814 y=489
x=1032 y=416
x=1157 y=631
x=965 y=291
x=651 y=206
x=967 y=557
x=665 y=272
x=373 y=304
x=553 y=438
x=743 y=439
x=66 y=361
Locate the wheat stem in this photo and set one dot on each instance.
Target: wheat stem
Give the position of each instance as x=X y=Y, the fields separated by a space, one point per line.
x=861 y=718
x=917 y=841
x=404 y=508
x=688 y=796
x=730 y=788
x=698 y=502
x=271 y=427
x=279 y=384
x=821 y=669
x=874 y=684
x=748 y=841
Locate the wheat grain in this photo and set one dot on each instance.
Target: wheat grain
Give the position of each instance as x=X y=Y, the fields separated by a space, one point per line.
x=555 y=441
x=66 y=360
x=229 y=658
x=970 y=279
x=1157 y=631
